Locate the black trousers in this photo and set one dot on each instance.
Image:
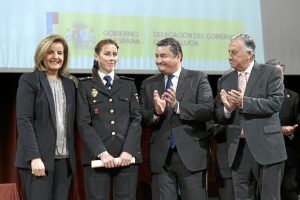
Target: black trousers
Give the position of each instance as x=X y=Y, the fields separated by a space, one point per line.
x=289 y=184
x=55 y=185
x=98 y=182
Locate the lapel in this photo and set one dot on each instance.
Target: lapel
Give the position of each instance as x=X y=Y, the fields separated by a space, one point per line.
x=253 y=79
x=68 y=93
x=159 y=84
x=45 y=84
x=67 y=90
x=183 y=83
x=232 y=81
x=117 y=83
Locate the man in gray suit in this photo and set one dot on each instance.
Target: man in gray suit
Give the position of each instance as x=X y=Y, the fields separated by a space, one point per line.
x=176 y=103
x=248 y=101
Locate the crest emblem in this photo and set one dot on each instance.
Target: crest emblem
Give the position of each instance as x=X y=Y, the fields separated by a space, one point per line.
x=94 y=92
x=96 y=110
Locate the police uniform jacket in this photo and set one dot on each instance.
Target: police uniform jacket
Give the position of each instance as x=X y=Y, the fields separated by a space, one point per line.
x=109 y=120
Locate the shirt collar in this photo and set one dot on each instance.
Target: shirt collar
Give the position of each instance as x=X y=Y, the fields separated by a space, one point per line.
x=249 y=68
x=176 y=74
x=111 y=74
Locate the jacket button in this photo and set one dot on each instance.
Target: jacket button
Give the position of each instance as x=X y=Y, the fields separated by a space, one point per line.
x=109 y=100
x=113 y=133
x=111 y=111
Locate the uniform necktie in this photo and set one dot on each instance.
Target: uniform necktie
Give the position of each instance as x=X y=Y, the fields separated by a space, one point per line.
x=108 y=82
x=242 y=82
x=172 y=138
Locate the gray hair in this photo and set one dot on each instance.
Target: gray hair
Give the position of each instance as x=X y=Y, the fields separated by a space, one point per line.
x=276 y=62
x=249 y=44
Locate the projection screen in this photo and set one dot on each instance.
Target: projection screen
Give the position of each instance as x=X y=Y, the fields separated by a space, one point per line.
x=202 y=27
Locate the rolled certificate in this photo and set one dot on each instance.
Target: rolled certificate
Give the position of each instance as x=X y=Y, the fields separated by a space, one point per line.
x=99 y=163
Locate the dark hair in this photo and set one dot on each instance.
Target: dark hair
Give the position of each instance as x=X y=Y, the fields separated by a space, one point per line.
x=98 y=48
x=101 y=43
x=275 y=62
x=174 y=44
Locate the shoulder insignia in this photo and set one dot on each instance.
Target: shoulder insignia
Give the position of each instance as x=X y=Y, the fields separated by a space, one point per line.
x=74 y=79
x=127 y=78
x=85 y=78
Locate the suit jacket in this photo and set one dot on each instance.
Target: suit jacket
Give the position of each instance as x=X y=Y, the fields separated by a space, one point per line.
x=290 y=108
x=259 y=117
x=109 y=120
x=288 y=117
x=189 y=128
x=36 y=120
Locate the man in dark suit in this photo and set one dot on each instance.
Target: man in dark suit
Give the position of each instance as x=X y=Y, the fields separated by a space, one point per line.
x=288 y=118
x=177 y=114
x=248 y=101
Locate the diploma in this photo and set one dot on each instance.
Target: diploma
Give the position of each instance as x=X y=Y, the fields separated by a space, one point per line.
x=99 y=163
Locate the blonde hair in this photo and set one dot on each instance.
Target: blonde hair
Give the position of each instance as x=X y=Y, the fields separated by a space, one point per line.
x=42 y=49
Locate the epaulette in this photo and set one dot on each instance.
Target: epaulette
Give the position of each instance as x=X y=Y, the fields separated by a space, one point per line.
x=127 y=78
x=71 y=77
x=85 y=78
x=74 y=79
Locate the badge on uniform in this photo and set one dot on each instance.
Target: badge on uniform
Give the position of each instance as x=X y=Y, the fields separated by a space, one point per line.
x=96 y=110
x=94 y=92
